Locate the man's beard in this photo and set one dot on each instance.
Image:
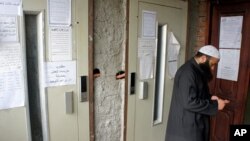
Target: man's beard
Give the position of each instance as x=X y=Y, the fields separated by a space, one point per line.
x=207 y=71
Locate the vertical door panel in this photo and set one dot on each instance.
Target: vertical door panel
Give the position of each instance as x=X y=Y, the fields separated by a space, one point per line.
x=62 y=126
x=13 y=125
x=74 y=126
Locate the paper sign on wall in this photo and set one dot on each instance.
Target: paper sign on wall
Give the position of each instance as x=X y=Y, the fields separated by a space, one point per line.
x=11 y=76
x=228 y=67
x=230 y=32
x=146 y=55
x=10 y=57
x=60 y=73
x=10 y=7
x=11 y=89
x=173 y=54
x=60 y=43
x=59 y=12
x=8 y=29
x=148 y=24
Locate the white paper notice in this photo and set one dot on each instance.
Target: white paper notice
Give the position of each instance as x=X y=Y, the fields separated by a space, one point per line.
x=60 y=73
x=173 y=54
x=146 y=67
x=10 y=57
x=60 y=43
x=228 y=67
x=148 y=24
x=10 y=7
x=59 y=12
x=8 y=29
x=146 y=55
x=11 y=89
x=230 y=32
x=146 y=47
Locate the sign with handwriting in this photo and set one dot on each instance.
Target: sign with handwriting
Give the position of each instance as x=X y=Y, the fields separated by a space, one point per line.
x=10 y=57
x=60 y=73
x=10 y=7
x=8 y=29
x=11 y=89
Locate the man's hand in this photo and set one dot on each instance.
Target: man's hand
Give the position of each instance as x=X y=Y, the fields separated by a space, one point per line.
x=214 y=97
x=221 y=103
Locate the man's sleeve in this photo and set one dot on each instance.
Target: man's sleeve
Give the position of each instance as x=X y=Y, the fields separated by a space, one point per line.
x=189 y=96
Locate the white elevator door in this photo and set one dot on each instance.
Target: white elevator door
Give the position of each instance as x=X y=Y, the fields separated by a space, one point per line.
x=148 y=117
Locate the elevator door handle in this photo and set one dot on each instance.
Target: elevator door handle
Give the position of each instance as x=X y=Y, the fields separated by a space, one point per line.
x=69 y=103
x=84 y=89
x=132 y=83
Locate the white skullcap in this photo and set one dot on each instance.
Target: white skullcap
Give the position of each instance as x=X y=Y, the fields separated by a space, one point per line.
x=210 y=51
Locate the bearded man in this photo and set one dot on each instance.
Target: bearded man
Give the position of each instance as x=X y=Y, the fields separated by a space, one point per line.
x=192 y=104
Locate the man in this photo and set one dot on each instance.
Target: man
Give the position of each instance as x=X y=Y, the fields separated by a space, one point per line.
x=192 y=105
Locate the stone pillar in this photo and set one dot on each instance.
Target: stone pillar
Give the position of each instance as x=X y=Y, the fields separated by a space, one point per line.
x=109 y=42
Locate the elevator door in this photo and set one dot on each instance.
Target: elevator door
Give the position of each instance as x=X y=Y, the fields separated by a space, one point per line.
x=49 y=113
x=148 y=106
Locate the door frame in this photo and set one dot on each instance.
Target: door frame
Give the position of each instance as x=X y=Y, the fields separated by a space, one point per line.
x=41 y=58
x=91 y=68
x=126 y=70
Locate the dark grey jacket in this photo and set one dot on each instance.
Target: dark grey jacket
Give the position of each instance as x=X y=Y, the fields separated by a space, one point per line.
x=191 y=106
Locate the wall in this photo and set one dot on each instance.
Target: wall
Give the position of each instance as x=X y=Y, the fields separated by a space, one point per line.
x=192 y=30
x=198 y=22
x=109 y=42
